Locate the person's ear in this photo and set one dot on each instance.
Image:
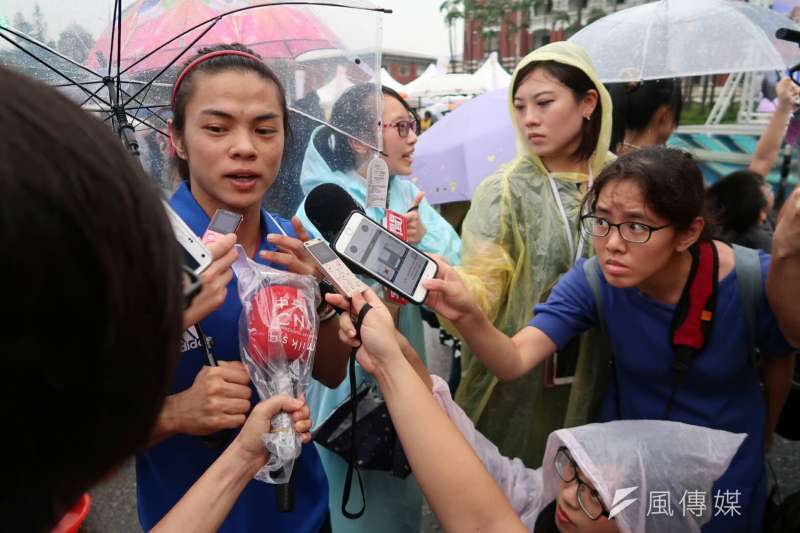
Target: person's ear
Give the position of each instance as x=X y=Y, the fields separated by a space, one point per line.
x=588 y=103
x=663 y=122
x=689 y=236
x=357 y=147
x=176 y=141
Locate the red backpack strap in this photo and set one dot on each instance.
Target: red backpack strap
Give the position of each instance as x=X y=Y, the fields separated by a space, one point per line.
x=694 y=315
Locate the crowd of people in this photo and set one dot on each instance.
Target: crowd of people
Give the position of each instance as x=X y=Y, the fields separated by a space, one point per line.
x=589 y=245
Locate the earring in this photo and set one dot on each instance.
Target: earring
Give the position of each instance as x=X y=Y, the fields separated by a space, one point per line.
x=587 y=118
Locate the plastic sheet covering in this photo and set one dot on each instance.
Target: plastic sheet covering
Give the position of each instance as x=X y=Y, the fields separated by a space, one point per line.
x=514 y=248
x=277 y=338
x=651 y=456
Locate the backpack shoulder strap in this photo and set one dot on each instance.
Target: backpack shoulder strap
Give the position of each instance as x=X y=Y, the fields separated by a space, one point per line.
x=590 y=269
x=751 y=289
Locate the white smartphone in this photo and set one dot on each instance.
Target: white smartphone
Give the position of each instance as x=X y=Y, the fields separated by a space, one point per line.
x=389 y=260
x=195 y=254
x=336 y=272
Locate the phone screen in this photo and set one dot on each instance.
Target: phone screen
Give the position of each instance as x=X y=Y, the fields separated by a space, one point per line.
x=189 y=260
x=322 y=252
x=566 y=360
x=376 y=250
x=225 y=222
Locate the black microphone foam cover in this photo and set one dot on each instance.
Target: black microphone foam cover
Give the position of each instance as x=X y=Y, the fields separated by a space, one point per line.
x=787 y=34
x=327 y=207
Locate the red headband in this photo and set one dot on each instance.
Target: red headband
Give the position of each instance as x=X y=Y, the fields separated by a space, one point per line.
x=202 y=59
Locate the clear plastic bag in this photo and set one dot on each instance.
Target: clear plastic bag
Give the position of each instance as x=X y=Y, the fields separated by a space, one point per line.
x=277 y=338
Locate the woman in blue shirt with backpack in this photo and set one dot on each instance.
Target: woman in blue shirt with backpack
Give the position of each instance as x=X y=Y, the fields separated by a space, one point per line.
x=683 y=314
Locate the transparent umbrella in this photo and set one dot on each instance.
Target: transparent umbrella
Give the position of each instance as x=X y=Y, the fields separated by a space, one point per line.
x=119 y=58
x=675 y=38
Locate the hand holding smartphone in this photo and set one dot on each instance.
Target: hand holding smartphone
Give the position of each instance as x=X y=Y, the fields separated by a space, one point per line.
x=392 y=262
x=223 y=223
x=334 y=269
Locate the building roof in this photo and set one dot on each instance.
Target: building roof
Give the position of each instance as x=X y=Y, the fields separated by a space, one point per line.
x=404 y=54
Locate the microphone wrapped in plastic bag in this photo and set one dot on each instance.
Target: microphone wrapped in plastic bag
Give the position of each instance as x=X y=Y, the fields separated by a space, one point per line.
x=277 y=338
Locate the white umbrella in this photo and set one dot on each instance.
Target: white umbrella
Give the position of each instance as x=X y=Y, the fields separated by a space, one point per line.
x=388 y=81
x=675 y=38
x=492 y=75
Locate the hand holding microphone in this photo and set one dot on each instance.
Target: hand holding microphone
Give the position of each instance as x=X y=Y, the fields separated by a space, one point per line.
x=250 y=438
x=218 y=399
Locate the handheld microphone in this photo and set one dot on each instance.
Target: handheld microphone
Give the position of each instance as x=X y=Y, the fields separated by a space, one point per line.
x=786 y=34
x=327 y=207
x=280 y=330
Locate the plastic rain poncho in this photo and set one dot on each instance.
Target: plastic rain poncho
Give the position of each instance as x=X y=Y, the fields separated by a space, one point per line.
x=514 y=248
x=393 y=504
x=654 y=456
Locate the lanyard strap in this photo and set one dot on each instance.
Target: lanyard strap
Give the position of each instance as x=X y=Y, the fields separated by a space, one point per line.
x=574 y=254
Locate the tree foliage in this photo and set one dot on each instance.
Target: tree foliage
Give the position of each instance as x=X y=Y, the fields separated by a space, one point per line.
x=75 y=42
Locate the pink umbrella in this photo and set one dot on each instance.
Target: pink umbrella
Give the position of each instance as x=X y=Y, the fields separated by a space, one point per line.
x=155 y=32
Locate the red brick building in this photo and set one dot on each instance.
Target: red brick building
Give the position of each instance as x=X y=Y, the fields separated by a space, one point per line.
x=405 y=66
x=547 y=21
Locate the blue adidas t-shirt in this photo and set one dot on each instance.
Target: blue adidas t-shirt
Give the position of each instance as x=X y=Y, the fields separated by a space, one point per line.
x=721 y=390
x=169 y=469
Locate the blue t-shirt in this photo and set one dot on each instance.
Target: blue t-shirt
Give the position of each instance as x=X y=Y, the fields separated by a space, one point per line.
x=720 y=391
x=167 y=470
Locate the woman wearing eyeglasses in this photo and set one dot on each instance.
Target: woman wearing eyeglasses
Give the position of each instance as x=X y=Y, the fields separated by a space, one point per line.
x=631 y=476
x=644 y=215
x=393 y=504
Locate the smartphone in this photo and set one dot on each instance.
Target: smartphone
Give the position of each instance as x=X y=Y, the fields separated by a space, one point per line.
x=196 y=256
x=336 y=272
x=222 y=223
x=389 y=260
x=560 y=368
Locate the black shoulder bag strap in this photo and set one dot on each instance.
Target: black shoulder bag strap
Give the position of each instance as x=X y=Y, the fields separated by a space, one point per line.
x=351 y=464
x=694 y=314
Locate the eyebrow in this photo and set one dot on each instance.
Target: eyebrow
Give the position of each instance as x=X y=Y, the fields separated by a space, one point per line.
x=399 y=116
x=537 y=95
x=629 y=214
x=223 y=114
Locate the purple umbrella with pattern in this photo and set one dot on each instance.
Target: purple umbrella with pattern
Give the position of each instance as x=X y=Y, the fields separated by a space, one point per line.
x=464 y=147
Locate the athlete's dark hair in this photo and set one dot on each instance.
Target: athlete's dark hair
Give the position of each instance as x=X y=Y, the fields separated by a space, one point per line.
x=216 y=65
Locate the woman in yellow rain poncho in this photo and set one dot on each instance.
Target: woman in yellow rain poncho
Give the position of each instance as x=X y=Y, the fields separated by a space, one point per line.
x=521 y=234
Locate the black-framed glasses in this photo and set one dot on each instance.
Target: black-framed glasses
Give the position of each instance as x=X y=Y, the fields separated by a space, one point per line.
x=634 y=232
x=588 y=498
x=404 y=126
